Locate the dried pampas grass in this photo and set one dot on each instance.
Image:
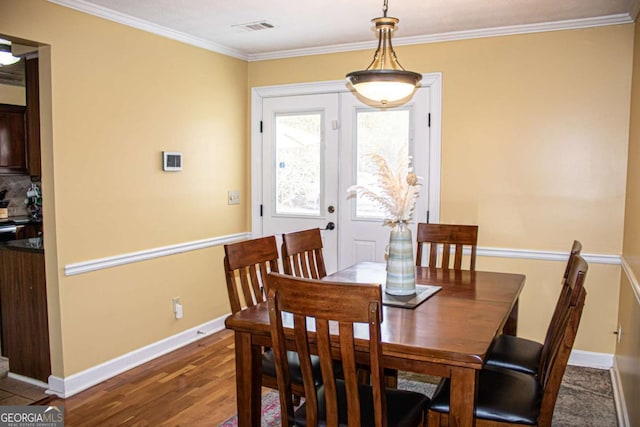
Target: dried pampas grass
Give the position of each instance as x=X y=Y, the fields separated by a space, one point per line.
x=397 y=191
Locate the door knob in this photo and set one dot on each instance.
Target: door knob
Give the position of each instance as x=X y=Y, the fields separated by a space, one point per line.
x=330 y=226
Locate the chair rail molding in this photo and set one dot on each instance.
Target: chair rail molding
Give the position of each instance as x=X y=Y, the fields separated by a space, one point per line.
x=635 y=285
x=128 y=258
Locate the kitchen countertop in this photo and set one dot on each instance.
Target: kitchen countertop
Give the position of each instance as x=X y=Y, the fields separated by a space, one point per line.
x=20 y=220
x=33 y=244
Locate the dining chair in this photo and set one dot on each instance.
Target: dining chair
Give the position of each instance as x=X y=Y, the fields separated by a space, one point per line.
x=506 y=397
x=302 y=254
x=433 y=238
x=246 y=265
x=523 y=354
x=302 y=257
x=328 y=318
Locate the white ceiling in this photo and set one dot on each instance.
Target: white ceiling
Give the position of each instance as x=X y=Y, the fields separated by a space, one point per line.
x=312 y=26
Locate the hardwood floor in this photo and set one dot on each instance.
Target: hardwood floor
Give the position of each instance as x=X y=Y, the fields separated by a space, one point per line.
x=192 y=386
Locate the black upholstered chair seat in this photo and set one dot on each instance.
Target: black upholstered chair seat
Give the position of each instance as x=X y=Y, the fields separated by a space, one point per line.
x=503 y=395
x=404 y=408
x=515 y=353
x=269 y=367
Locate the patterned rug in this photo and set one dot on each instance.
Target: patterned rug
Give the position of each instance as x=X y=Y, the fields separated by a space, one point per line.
x=585 y=399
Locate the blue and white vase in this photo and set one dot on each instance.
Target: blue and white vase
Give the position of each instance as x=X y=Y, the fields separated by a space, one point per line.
x=401 y=269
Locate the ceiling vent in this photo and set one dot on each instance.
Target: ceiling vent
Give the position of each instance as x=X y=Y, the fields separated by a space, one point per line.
x=254 y=26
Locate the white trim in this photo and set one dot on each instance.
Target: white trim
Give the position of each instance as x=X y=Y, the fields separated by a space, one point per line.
x=114 y=261
x=543 y=255
x=131 y=21
x=27 y=380
x=632 y=278
x=150 y=27
x=431 y=80
x=73 y=384
x=618 y=396
x=569 y=24
x=590 y=359
x=128 y=258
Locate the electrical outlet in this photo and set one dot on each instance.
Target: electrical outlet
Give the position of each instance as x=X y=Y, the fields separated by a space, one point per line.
x=233 y=197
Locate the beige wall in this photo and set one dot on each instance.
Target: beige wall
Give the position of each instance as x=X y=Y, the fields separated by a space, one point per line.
x=628 y=350
x=534 y=150
x=10 y=94
x=534 y=143
x=117 y=97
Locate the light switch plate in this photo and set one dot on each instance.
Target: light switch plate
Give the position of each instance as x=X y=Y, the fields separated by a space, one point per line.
x=233 y=197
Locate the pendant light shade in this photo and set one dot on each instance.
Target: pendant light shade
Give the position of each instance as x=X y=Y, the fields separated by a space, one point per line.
x=6 y=58
x=384 y=80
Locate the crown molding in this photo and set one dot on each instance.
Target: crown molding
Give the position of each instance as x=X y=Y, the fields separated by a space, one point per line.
x=150 y=27
x=570 y=24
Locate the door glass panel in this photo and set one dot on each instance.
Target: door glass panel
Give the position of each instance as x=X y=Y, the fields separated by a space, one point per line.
x=298 y=164
x=385 y=133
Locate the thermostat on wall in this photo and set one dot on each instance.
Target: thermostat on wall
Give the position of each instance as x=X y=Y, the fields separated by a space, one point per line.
x=171 y=161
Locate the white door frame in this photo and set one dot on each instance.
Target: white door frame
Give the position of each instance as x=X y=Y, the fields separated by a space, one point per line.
x=431 y=80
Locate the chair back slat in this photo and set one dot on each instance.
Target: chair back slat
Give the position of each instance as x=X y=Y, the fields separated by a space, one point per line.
x=565 y=293
x=445 y=238
x=576 y=249
x=334 y=312
x=302 y=254
x=557 y=359
x=568 y=297
x=247 y=265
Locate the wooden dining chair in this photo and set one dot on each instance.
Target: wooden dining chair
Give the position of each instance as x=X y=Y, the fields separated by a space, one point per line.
x=302 y=254
x=246 y=265
x=435 y=238
x=523 y=354
x=510 y=398
x=312 y=305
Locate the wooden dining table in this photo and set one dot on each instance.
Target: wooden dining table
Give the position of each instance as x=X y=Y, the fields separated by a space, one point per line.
x=447 y=335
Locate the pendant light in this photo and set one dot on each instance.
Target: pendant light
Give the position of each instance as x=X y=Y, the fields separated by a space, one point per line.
x=6 y=58
x=384 y=80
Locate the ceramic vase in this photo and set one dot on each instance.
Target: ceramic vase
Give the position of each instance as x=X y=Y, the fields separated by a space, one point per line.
x=401 y=270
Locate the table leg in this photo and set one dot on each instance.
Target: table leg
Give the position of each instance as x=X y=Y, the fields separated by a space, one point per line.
x=248 y=380
x=511 y=325
x=463 y=396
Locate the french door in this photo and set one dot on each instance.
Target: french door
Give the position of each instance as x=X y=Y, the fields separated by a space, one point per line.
x=394 y=133
x=300 y=168
x=314 y=146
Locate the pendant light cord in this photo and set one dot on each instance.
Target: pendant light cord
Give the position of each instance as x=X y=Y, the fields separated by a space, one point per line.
x=385 y=6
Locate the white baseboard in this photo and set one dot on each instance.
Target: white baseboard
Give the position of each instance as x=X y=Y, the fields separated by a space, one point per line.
x=27 y=380
x=590 y=359
x=68 y=386
x=618 y=397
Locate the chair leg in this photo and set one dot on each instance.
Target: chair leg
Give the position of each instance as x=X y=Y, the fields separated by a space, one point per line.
x=364 y=375
x=391 y=378
x=296 y=400
x=434 y=419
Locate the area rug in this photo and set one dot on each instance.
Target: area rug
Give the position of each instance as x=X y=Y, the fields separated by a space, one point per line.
x=585 y=399
x=270 y=411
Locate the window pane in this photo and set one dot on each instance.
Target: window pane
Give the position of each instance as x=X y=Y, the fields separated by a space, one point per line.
x=298 y=164
x=385 y=133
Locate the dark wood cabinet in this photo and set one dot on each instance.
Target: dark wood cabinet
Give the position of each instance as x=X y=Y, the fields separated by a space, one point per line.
x=20 y=129
x=13 y=148
x=23 y=302
x=33 y=116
